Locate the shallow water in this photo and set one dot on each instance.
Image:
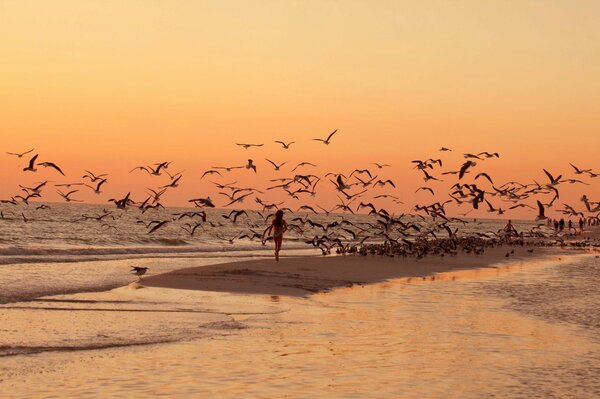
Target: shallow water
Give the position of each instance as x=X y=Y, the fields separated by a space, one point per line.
x=519 y=330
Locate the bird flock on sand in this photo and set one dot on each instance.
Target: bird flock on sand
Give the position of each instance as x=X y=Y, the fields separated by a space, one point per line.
x=423 y=230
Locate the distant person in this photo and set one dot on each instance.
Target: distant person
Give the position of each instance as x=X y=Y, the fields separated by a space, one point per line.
x=581 y=224
x=561 y=224
x=556 y=225
x=509 y=229
x=570 y=226
x=278 y=227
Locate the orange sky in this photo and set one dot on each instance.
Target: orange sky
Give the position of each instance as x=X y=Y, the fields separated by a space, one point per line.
x=109 y=85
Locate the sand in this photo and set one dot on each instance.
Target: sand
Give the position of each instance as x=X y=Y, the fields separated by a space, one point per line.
x=303 y=276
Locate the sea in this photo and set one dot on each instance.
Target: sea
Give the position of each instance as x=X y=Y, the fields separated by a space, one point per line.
x=71 y=326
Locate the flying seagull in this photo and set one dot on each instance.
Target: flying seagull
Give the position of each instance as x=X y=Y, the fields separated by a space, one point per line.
x=20 y=155
x=326 y=141
x=285 y=146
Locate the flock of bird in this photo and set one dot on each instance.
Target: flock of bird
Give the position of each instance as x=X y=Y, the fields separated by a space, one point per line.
x=426 y=228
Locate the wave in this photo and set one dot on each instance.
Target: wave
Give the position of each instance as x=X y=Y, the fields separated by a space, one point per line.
x=174 y=248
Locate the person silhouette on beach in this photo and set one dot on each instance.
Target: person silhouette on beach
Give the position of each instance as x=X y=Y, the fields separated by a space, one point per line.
x=278 y=227
x=509 y=229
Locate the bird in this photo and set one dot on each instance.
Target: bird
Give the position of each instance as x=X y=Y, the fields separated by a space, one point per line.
x=285 y=146
x=445 y=149
x=157 y=225
x=250 y=165
x=211 y=172
x=35 y=189
x=484 y=175
x=235 y=214
x=553 y=181
x=51 y=165
x=93 y=178
x=31 y=166
x=97 y=188
x=541 y=214
x=174 y=182
x=227 y=168
x=246 y=146
x=380 y=165
x=20 y=155
x=464 y=167
x=139 y=271
x=326 y=141
x=382 y=183
x=426 y=189
x=275 y=165
x=301 y=164
x=67 y=195
x=201 y=202
x=238 y=199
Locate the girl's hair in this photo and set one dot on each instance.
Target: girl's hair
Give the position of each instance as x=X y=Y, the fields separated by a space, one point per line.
x=278 y=222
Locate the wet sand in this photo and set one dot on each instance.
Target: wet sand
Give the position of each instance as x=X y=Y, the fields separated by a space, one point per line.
x=303 y=276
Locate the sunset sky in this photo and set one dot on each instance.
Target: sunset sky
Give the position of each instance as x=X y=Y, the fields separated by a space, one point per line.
x=110 y=85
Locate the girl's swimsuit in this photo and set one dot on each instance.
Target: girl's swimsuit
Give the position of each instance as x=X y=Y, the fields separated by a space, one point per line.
x=278 y=232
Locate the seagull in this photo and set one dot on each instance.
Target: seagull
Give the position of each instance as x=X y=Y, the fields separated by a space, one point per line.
x=425 y=189
x=31 y=166
x=174 y=182
x=553 y=181
x=541 y=214
x=97 y=189
x=51 y=165
x=303 y=164
x=275 y=165
x=227 y=168
x=251 y=165
x=379 y=165
x=20 y=155
x=580 y=171
x=326 y=141
x=201 y=202
x=211 y=172
x=464 y=168
x=66 y=196
x=35 y=189
x=93 y=178
x=238 y=199
x=235 y=214
x=484 y=175
x=139 y=271
x=246 y=146
x=445 y=149
x=157 y=225
x=285 y=146
x=382 y=183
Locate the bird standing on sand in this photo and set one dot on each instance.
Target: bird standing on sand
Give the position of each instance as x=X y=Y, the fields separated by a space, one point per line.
x=139 y=271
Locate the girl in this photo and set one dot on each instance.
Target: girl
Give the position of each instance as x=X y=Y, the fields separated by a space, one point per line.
x=278 y=226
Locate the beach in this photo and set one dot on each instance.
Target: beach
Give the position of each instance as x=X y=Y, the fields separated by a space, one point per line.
x=307 y=326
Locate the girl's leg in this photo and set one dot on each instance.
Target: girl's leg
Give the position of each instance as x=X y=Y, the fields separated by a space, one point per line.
x=278 y=241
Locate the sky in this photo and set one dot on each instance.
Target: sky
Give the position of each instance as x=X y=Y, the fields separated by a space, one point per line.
x=109 y=85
